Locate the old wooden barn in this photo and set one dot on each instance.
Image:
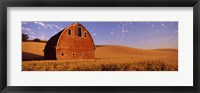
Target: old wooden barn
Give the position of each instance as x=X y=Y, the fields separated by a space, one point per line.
x=73 y=42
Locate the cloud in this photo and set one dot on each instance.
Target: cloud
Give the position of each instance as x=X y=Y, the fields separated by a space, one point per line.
x=55 y=32
x=27 y=30
x=111 y=33
x=162 y=24
x=32 y=37
x=32 y=33
x=56 y=26
x=124 y=31
x=152 y=25
x=43 y=36
x=94 y=34
x=40 y=23
x=120 y=36
x=171 y=23
x=48 y=26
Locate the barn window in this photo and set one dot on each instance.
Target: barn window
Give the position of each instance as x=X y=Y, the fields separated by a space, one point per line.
x=79 y=31
x=73 y=54
x=83 y=54
x=62 y=54
x=85 y=34
x=69 y=32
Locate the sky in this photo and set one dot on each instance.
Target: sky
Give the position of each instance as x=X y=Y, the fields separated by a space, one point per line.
x=144 y=35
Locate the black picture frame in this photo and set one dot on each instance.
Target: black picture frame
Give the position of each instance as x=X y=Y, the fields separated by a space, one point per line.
x=100 y=3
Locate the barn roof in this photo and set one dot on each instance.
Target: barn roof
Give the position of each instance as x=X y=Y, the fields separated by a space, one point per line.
x=52 y=42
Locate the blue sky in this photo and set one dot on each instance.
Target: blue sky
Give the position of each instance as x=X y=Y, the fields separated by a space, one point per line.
x=145 y=35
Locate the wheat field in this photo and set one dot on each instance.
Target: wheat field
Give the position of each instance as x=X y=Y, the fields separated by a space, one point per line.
x=107 y=58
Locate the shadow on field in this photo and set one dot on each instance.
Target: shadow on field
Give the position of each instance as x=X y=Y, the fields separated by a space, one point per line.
x=29 y=56
x=100 y=45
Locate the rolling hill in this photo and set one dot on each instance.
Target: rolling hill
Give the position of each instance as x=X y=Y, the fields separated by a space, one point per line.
x=107 y=58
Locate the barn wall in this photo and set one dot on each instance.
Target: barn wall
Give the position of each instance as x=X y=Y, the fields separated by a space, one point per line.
x=50 y=54
x=63 y=54
x=81 y=47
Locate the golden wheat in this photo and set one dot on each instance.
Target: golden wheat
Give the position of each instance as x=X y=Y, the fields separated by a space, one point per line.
x=107 y=58
x=156 y=63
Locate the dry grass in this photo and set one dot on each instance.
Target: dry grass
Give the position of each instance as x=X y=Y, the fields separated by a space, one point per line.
x=32 y=50
x=111 y=58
